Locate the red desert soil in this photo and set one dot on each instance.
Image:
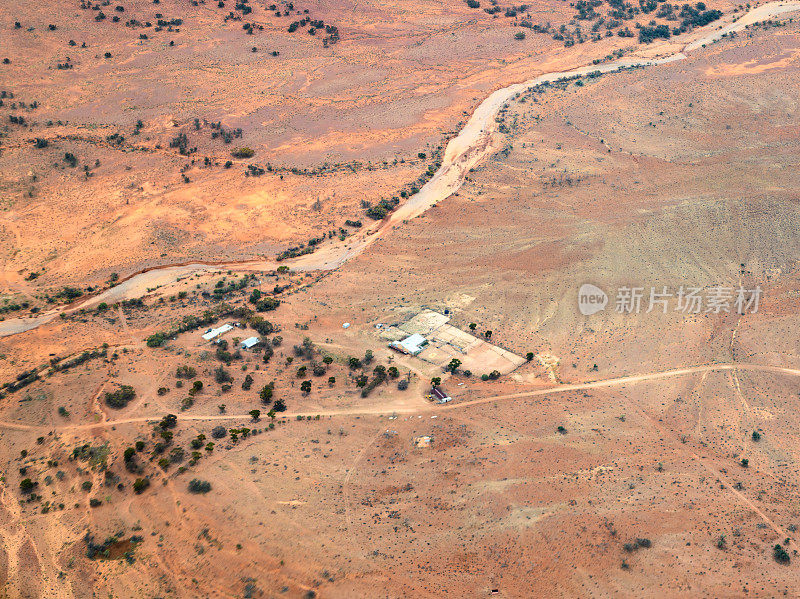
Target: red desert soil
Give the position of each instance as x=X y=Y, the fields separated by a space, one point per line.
x=649 y=454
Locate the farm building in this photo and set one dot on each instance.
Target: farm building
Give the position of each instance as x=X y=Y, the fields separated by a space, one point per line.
x=249 y=342
x=440 y=396
x=211 y=333
x=412 y=344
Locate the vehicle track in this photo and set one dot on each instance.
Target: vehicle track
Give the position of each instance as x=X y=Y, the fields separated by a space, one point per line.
x=424 y=406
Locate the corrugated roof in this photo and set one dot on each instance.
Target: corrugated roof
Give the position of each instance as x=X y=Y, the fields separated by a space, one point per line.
x=249 y=342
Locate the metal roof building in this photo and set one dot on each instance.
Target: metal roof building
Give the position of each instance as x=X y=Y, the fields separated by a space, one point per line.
x=249 y=342
x=410 y=345
x=216 y=332
x=440 y=396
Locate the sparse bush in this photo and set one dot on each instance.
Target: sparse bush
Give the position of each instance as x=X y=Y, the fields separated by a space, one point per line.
x=26 y=485
x=185 y=372
x=222 y=376
x=121 y=397
x=267 y=304
x=780 y=554
x=156 y=340
x=243 y=152
x=198 y=486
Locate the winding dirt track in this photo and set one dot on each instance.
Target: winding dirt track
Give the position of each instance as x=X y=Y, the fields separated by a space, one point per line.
x=472 y=145
x=425 y=406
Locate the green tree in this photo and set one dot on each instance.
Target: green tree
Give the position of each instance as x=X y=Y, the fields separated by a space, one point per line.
x=255 y=415
x=266 y=393
x=26 y=485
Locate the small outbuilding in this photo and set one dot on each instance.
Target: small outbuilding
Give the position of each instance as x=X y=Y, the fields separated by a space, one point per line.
x=440 y=396
x=250 y=342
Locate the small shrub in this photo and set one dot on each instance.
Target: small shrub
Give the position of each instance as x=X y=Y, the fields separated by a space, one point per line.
x=243 y=152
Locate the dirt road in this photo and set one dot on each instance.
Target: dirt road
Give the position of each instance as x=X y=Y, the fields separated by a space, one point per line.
x=423 y=406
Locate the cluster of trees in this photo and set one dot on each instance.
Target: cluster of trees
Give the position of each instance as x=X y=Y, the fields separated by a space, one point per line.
x=301 y=250
x=198 y=486
x=780 y=554
x=649 y=33
x=121 y=397
x=103 y=550
x=382 y=208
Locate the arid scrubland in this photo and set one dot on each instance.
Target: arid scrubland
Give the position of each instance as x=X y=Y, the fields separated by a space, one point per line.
x=150 y=450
